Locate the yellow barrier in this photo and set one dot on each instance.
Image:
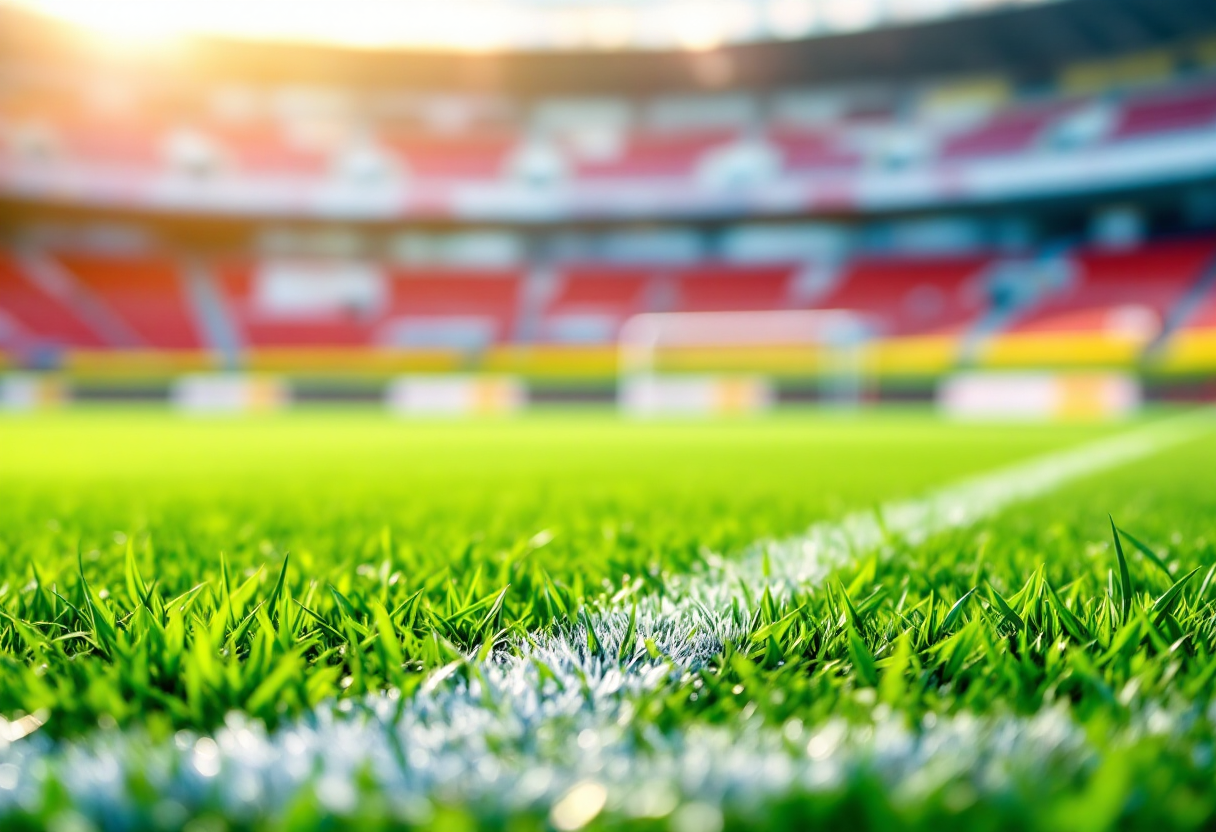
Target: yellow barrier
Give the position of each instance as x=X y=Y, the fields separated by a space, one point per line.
x=1133 y=70
x=355 y=361
x=581 y=362
x=1059 y=350
x=141 y=364
x=987 y=91
x=913 y=356
x=1205 y=52
x=800 y=360
x=919 y=356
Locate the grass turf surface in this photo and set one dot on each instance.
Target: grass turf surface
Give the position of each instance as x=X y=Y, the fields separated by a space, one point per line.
x=119 y=608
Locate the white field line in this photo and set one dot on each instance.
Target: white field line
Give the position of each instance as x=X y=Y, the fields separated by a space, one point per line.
x=522 y=729
x=573 y=766
x=697 y=613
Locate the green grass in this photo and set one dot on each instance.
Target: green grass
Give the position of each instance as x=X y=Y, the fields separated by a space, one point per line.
x=158 y=573
x=1037 y=606
x=345 y=515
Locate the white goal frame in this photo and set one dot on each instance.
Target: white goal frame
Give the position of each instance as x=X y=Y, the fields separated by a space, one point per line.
x=841 y=332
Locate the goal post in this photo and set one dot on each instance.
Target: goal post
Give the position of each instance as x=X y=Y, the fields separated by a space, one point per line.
x=729 y=357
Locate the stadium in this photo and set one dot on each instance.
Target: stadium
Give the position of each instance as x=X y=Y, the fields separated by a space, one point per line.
x=604 y=414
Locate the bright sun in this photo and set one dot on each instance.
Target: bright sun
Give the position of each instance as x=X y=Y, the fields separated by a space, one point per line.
x=367 y=23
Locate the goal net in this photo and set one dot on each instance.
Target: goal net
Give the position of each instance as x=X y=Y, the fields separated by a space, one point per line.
x=721 y=362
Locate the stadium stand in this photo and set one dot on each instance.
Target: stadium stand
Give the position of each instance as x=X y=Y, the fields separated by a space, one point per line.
x=903 y=295
x=478 y=156
x=453 y=307
x=720 y=288
x=804 y=149
x=591 y=302
x=42 y=318
x=1010 y=131
x=262 y=323
x=1168 y=112
x=125 y=145
x=846 y=143
x=263 y=149
x=1124 y=292
x=144 y=292
x=382 y=158
x=655 y=155
x=346 y=304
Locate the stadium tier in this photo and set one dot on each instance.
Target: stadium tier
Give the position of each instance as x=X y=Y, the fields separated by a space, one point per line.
x=808 y=148
x=1178 y=111
x=591 y=303
x=1134 y=298
x=641 y=155
x=144 y=296
x=32 y=313
x=1016 y=129
x=792 y=152
x=263 y=321
x=1121 y=291
x=361 y=305
x=473 y=157
x=902 y=296
x=723 y=289
x=512 y=212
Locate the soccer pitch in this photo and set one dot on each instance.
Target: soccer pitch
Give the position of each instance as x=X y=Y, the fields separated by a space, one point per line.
x=346 y=621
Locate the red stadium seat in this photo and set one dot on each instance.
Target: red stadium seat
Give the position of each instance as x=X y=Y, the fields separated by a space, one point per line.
x=608 y=295
x=263 y=327
x=144 y=292
x=405 y=298
x=600 y=290
x=646 y=155
x=429 y=156
x=1166 y=113
x=450 y=294
x=1131 y=291
x=907 y=295
x=592 y=302
x=121 y=144
x=42 y=317
x=1008 y=131
x=717 y=288
x=264 y=149
x=807 y=149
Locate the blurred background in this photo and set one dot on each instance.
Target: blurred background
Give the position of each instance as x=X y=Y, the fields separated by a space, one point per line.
x=1004 y=206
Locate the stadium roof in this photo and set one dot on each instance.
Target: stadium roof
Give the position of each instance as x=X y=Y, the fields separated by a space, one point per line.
x=513 y=25
x=1029 y=43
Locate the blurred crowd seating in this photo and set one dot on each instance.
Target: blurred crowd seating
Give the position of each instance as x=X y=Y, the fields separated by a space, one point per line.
x=1123 y=301
x=1095 y=305
x=269 y=136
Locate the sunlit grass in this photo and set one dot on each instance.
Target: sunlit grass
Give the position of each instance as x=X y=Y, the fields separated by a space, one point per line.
x=161 y=573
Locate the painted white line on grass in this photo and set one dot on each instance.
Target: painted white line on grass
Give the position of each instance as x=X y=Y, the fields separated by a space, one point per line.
x=715 y=605
x=571 y=764
x=521 y=730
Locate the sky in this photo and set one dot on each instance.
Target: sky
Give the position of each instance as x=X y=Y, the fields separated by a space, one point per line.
x=489 y=25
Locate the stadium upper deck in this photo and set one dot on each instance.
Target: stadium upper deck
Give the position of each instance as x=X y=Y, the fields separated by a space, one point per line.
x=735 y=132
x=335 y=154
x=926 y=313
x=484 y=209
